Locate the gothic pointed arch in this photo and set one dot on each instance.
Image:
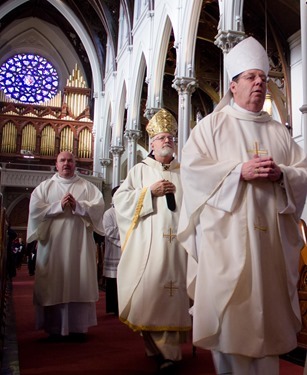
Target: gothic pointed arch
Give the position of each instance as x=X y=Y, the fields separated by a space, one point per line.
x=17 y=213
x=121 y=116
x=137 y=121
x=155 y=99
x=188 y=36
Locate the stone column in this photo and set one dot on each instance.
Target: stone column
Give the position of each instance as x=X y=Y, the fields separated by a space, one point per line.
x=104 y=162
x=132 y=135
x=185 y=87
x=117 y=152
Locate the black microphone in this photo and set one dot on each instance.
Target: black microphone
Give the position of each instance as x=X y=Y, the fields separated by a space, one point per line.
x=170 y=200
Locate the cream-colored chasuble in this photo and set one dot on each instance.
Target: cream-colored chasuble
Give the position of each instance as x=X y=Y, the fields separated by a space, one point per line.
x=242 y=238
x=151 y=275
x=66 y=255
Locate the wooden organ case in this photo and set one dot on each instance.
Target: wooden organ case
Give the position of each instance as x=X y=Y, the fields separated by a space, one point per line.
x=41 y=131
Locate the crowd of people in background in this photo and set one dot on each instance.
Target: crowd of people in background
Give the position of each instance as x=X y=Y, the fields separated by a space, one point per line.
x=17 y=253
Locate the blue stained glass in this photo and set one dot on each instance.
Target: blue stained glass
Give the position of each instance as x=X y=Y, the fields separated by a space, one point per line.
x=29 y=78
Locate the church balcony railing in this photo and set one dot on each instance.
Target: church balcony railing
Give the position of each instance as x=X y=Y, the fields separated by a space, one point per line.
x=30 y=176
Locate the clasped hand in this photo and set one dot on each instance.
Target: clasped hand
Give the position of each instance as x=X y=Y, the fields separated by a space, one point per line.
x=162 y=187
x=260 y=168
x=68 y=200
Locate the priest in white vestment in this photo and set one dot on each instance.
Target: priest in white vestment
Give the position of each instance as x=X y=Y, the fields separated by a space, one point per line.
x=151 y=275
x=244 y=187
x=64 y=211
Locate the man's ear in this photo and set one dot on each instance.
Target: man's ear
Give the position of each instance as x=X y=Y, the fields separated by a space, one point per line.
x=233 y=86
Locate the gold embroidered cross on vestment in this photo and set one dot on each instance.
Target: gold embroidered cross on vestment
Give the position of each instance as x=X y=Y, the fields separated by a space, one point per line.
x=171 y=287
x=257 y=151
x=170 y=236
x=259 y=226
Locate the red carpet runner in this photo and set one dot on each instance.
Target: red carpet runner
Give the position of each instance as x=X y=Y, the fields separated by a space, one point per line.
x=111 y=348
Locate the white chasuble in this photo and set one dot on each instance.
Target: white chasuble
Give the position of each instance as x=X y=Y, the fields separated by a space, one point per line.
x=151 y=275
x=243 y=243
x=66 y=256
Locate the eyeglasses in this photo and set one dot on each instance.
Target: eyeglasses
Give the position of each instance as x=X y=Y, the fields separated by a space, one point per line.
x=253 y=77
x=163 y=138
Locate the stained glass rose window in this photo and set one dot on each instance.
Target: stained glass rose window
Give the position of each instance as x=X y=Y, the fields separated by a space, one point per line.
x=29 y=78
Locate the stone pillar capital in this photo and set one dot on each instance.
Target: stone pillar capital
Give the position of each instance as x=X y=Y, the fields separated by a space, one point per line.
x=133 y=134
x=117 y=150
x=105 y=162
x=185 y=84
x=150 y=112
x=226 y=40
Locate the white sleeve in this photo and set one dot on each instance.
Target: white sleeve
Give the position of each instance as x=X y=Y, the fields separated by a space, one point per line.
x=226 y=197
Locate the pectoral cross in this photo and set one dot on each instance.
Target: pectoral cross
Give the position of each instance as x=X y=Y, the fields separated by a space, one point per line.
x=171 y=287
x=260 y=227
x=170 y=236
x=257 y=151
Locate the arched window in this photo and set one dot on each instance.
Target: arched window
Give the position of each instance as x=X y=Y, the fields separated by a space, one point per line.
x=29 y=78
x=123 y=29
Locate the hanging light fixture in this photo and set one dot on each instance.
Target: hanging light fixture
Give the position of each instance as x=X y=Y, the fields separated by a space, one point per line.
x=267 y=106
